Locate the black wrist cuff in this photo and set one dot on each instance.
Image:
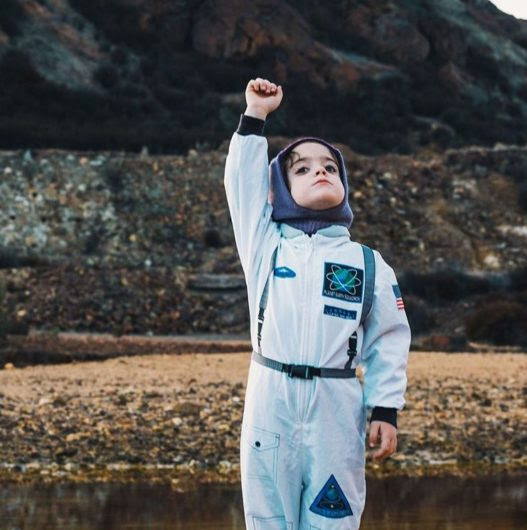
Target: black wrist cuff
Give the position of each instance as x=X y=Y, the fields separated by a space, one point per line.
x=384 y=414
x=250 y=125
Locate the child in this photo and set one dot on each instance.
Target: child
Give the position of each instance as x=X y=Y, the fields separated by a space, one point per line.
x=302 y=444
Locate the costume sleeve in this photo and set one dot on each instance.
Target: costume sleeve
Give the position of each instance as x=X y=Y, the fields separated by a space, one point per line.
x=387 y=414
x=246 y=184
x=385 y=346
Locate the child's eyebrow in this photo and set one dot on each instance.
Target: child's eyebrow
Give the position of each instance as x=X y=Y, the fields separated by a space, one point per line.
x=309 y=158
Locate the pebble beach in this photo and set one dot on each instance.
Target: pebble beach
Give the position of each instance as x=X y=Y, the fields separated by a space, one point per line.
x=176 y=418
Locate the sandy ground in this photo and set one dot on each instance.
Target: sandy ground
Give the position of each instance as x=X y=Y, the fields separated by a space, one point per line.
x=177 y=370
x=160 y=415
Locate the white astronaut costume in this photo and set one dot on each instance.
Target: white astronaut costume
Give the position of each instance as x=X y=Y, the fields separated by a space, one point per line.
x=302 y=444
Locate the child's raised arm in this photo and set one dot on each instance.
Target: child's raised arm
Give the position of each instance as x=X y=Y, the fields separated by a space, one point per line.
x=247 y=177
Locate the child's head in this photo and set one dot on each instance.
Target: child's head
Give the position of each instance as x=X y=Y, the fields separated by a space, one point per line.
x=295 y=193
x=313 y=176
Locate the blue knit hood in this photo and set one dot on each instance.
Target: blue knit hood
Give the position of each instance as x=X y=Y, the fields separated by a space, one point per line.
x=286 y=209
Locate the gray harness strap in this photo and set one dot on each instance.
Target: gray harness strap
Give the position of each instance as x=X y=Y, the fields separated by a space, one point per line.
x=263 y=299
x=306 y=371
x=369 y=273
x=369 y=285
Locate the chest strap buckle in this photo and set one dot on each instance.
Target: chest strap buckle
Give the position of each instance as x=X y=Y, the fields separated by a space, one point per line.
x=304 y=371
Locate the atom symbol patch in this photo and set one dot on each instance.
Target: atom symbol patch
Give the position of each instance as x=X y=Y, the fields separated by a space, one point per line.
x=343 y=282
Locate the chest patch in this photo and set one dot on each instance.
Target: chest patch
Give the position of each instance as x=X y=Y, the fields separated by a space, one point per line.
x=284 y=272
x=339 y=312
x=343 y=282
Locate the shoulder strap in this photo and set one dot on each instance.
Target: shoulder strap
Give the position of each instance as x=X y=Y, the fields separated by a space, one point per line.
x=367 y=301
x=263 y=299
x=369 y=281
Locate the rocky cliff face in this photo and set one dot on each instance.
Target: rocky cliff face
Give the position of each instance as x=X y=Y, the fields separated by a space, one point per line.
x=463 y=209
x=97 y=238
x=376 y=75
x=135 y=243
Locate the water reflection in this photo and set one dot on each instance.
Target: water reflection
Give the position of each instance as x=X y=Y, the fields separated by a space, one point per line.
x=497 y=502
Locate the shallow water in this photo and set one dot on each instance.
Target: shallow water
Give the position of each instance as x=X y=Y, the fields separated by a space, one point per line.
x=496 y=502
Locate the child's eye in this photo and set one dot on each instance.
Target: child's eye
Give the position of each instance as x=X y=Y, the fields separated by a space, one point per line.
x=332 y=168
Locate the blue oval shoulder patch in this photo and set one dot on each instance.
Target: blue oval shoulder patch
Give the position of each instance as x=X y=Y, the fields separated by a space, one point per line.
x=284 y=272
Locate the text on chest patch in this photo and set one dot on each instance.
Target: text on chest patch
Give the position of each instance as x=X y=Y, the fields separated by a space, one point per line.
x=339 y=312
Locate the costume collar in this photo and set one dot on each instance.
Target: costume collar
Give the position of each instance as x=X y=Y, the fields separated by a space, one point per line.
x=329 y=231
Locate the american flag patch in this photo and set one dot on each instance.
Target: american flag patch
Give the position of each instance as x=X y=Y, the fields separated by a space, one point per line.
x=398 y=297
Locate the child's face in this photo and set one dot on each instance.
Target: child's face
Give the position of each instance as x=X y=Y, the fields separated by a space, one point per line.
x=313 y=163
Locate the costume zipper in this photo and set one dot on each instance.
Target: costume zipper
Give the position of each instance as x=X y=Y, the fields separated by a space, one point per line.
x=307 y=320
x=309 y=306
x=308 y=303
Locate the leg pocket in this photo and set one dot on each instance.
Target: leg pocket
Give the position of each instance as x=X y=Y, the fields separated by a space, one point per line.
x=271 y=523
x=262 y=452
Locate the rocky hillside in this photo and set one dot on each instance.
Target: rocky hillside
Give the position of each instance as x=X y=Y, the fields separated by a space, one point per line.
x=102 y=241
x=377 y=75
x=115 y=123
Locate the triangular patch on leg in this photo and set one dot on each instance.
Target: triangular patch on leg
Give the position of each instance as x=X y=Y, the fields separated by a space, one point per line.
x=331 y=501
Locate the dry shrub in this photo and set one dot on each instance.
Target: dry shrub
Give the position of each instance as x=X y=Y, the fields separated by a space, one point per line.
x=501 y=322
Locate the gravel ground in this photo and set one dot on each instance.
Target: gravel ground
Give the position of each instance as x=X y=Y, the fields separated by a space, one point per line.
x=176 y=418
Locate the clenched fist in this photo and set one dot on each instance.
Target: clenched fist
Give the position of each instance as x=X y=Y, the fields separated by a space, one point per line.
x=262 y=97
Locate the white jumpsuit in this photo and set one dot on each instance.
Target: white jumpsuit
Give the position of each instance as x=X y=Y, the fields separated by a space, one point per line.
x=302 y=444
